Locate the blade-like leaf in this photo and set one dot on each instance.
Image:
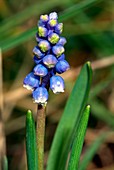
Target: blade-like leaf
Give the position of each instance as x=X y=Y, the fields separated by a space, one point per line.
x=31 y=146
x=78 y=140
x=5 y=163
x=75 y=9
x=75 y=106
x=91 y=151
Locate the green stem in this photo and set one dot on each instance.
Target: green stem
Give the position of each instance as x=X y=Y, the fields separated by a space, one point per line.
x=40 y=133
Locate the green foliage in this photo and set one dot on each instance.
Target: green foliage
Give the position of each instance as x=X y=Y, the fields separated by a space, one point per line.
x=63 y=137
x=5 y=163
x=31 y=146
x=78 y=140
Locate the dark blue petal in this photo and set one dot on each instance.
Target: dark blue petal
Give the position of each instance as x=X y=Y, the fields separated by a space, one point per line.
x=50 y=61
x=62 y=57
x=37 y=60
x=31 y=81
x=40 y=95
x=58 y=50
x=57 y=84
x=62 y=66
x=40 y=70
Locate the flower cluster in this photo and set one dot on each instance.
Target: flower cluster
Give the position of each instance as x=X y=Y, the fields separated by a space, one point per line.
x=49 y=59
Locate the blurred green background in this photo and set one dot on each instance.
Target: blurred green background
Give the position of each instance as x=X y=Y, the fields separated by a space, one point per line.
x=89 y=30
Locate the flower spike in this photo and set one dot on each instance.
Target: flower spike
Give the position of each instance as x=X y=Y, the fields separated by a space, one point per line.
x=49 y=58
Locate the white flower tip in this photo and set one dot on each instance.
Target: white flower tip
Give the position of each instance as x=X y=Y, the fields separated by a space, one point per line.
x=27 y=87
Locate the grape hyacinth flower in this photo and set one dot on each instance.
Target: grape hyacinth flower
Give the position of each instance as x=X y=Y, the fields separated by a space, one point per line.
x=49 y=58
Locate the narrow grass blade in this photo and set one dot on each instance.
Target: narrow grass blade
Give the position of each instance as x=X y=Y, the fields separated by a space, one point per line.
x=75 y=9
x=91 y=151
x=31 y=147
x=14 y=41
x=78 y=140
x=75 y=106
x=5 y=163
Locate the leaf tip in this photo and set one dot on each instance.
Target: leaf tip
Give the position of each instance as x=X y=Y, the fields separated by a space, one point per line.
x=29 y=114
x=88 y=107
x=88 y=64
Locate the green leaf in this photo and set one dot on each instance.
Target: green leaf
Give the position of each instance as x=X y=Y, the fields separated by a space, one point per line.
x=78 y=140
x=92 y=150
x=31 y=147
x=73 y=111
x=75 y=9
x=5 y=163
x=17 y=39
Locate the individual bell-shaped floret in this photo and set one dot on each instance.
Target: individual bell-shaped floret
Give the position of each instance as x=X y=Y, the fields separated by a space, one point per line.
x=53 y=38
x=40 y=70
x=52 y=23
x=62 y=66
x=37 y=52
x=50 y=61
x=53 y=15
x=58 y=50
x=40 y=95
x=44 y=18
x=59 y=28
x=57 y=84
x=62 y=41
x=44 y=45
x=42 y=31
x=31 y=81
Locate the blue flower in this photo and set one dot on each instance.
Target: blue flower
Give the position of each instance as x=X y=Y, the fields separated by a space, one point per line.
x=40 y=95
x=57 y=84
x=38 y=52
x=53 y=15
x=61 y=57
x=62 y=66
x=62 y=41
x=53 y=38
x=44 y=18
x=59 y=28
x=37 y=60
x=31 y=81
x=42 y=31
x=40 y=70
x=49 y=58
x=58 y=50
x=44 y=45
